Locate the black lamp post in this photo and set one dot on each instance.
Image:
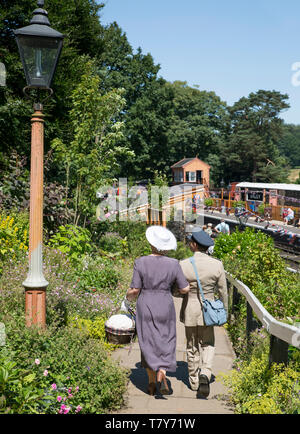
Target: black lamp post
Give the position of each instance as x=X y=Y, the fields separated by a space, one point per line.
x=222 y=183
x=229 y=195
x=40 y=47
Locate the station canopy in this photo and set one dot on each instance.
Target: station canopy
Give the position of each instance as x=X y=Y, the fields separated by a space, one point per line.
x=268 y=186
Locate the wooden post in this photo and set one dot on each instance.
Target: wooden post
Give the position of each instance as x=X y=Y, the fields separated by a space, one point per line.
x=163 y=216
x=236 y=296
x=251 y=323
x=278 y=351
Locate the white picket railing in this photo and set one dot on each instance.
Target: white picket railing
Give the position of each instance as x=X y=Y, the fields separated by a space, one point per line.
x=282 y=334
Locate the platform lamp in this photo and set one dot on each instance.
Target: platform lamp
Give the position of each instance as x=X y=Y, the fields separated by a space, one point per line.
x=229 y=196
x=222 y=183
x=39 y=47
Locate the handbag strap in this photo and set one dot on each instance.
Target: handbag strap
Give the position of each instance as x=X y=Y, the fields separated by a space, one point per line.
x=192 y=261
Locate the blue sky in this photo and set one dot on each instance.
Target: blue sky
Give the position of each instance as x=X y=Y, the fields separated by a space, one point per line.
x=231 y=47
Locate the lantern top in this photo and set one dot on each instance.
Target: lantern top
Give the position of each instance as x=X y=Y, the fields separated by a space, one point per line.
x=40 y=47
x=39 y=25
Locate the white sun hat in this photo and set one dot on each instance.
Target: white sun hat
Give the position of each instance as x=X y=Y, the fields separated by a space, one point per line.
x=161 y=238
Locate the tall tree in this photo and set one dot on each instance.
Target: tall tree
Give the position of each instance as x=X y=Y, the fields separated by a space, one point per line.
x=289 y=144
x=90 y=158
x=256 y=128
x=198 y=126
x=78 y=20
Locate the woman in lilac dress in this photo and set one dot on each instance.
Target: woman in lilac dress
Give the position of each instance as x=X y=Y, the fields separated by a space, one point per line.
x=153 y=278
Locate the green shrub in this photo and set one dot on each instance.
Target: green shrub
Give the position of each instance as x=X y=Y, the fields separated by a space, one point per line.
x=14 y=239
x=67 y=369
x=252 y=258
x=256 y=389
x=19 y=390
x=94 y=328
x=96 y=275
x=73 y=240
x=113 y=243
x=208 y=202
x=238 y=204
x=182 y=251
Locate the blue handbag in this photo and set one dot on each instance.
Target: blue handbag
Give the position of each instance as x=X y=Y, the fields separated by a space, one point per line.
x=214 y=312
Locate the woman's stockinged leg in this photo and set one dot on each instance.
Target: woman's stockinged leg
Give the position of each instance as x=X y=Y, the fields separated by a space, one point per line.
x=162 y=382
x=151 y=381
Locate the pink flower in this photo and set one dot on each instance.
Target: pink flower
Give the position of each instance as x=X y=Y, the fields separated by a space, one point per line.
x=45 y=373
x=59 y=398
x=78 y=408
x=37 y=361
x=53 y=386
x=64 y=409
x=77 y=388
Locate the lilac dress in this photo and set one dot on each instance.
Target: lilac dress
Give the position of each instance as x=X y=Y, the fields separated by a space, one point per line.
x=155 y=311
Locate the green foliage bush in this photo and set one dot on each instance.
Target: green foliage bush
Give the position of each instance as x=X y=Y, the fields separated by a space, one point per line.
x=96 y=275
x=94 y=328
x=252 y=258
x=132 y=233
x=112 y=242
x=208 y=202
x=67 y=369
x=73 y=240
x=256 y=389
x=19 y=391
x=182 y=251
x=75 y=362
x=14 y=236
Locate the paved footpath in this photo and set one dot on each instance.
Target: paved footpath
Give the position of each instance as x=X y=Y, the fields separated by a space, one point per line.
x=183 y=400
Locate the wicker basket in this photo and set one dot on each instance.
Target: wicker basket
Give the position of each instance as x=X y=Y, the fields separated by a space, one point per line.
x=118 y=336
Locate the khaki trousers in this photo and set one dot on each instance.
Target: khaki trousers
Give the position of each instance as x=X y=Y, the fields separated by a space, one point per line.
x=200 y=347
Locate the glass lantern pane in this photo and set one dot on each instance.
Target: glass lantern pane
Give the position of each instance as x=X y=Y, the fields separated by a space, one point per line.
x=39 y=57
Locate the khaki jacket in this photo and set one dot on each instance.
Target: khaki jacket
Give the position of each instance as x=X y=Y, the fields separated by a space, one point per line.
x=213 y=281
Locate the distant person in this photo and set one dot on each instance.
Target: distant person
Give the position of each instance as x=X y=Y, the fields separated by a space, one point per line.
x=209 y=229
x=289 y=216
x=222 y=227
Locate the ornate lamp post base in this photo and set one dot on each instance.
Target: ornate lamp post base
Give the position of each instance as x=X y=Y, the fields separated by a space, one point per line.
x=35 y=307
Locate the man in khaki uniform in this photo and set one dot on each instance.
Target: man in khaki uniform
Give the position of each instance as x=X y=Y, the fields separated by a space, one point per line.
x=200 y=338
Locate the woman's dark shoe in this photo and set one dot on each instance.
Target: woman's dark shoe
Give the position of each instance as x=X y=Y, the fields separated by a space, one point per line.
x=203 y=389
x=151 y=389
x=162 y=383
